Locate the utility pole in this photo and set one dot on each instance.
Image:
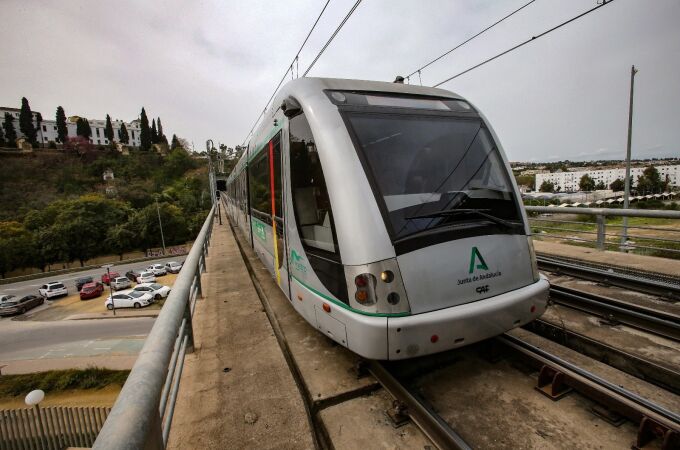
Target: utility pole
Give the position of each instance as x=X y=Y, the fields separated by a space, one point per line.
x=160 y=223
x=626 y=194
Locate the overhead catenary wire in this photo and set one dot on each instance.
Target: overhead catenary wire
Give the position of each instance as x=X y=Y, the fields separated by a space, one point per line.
x=521 y=44
x=337 y=30
x=289 y=69
x=417 y=71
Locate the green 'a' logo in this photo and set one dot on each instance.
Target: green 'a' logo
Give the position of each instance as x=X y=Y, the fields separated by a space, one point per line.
x=475 y=255
x=295 y=256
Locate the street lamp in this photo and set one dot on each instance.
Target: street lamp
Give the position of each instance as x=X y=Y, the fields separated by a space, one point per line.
x=33 y=399
x=108 y=273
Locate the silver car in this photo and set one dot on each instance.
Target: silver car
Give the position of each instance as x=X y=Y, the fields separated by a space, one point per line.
x=119 y=283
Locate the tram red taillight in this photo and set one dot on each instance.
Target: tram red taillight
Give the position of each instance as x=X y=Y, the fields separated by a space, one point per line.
x=365 y=284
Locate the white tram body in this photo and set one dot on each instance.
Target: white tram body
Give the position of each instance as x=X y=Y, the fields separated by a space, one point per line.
x=399 y=227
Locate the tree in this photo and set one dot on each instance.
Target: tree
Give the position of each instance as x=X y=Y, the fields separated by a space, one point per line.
x=144 y=132
x=154 y=133
x=175 y=142
x=617 y=185
x=108 y=130
x=10 y=132
x=123 y=136
x=38 y=122
x=62 y=130
x=2 y=138
x=650 y=181
x=161 y=136
x=83 y=128
x=26 y=121
x=600 y=186
x=15 y=243
x=547 y=186
x=586 y=183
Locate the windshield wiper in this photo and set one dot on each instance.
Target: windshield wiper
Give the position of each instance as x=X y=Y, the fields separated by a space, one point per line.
x=455 y=212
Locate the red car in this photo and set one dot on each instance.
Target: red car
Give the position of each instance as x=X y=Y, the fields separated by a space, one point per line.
x=106 y=279
x=91 y=290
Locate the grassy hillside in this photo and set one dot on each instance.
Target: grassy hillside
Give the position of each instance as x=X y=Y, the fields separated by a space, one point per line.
x=29 y=182
x=56 y=207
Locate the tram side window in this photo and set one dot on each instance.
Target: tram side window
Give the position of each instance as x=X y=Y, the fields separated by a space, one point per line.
x=260 y=193
x=312 y=206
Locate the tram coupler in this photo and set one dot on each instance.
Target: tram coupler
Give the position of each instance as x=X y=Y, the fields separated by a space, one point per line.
x=551 y=383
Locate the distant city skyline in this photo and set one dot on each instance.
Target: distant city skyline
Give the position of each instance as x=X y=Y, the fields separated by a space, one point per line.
x=564 y=96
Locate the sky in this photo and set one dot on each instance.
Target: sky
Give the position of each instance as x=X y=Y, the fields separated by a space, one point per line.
x=208 y=67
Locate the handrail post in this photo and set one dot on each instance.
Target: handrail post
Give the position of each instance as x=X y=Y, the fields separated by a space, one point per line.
x=189 y=327
x=600 y=231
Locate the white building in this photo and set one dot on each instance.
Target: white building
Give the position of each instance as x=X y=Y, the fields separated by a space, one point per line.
x=48 y=128
x=569 y=181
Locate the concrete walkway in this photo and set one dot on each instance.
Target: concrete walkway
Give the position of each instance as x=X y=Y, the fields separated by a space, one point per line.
x=620 y=259
x=236 y=389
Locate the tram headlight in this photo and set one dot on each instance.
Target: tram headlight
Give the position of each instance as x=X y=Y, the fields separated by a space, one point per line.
x=534 y=263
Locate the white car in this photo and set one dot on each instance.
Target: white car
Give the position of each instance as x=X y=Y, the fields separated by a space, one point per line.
x=157 y=291
x=146 y=277
x=119 y=283
x=131 y=299
x=157 y=269
x=6 y=297
x=173 y=266
x=52 y=289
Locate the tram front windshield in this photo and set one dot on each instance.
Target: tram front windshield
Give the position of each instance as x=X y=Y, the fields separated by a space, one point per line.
x=435 y=172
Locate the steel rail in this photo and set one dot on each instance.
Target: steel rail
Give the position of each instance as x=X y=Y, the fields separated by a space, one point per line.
x=639 y=284
x=623 y=401
x=431 y=424
x=651 y=213
x=635 y=365
x=658 y=322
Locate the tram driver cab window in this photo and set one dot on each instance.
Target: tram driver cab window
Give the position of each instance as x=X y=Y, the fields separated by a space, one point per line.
x=310 y=196
x=312 y=208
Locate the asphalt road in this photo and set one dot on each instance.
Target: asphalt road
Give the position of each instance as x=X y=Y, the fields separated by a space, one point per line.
x=22 y=288
x=38 y=340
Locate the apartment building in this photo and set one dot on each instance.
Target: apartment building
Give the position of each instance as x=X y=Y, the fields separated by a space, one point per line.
x=569 y=181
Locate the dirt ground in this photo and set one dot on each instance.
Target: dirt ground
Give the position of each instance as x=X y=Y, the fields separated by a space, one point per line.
x=62 y=308
x=86 y=397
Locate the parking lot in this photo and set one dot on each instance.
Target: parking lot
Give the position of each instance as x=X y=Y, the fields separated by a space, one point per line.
x=71 y=306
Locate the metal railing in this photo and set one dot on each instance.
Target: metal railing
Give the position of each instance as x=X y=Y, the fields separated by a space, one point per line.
x=646 y=239
x=142 y=415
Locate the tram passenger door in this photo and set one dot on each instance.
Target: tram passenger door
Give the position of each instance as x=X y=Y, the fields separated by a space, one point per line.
x=278 y=213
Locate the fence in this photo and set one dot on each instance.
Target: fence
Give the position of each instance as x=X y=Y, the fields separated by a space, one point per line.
x=640 y=238
x=142 y=415
x=59 y=427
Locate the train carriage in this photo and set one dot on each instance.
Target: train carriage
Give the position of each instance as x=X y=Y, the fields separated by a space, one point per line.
x=388 y=215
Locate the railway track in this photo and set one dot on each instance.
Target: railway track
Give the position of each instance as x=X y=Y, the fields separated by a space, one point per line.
x=616 y=311
x=647 y=282
x=558 y=376
x=408 y=404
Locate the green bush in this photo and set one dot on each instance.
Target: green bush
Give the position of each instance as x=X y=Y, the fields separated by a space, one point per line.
x=61 y=380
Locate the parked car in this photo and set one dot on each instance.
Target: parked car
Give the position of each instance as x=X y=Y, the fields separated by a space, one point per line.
x=107 y=277
x=20 y=306
x=146 y=277
x=53 y=289
x=132 y=299
x=91 y=290
x=132 y=274
x=119 y=283
x=157 y=291
x=173 y=266
x=6 y=297
x=80 y=282
x=157 y=269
